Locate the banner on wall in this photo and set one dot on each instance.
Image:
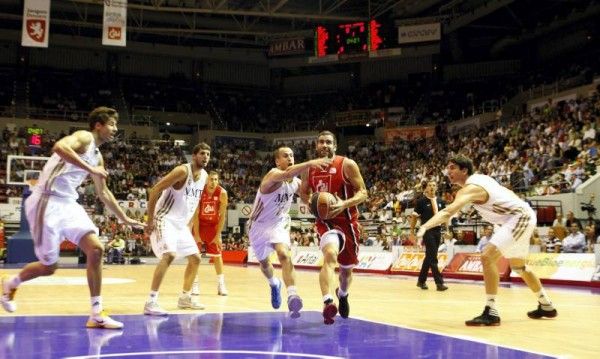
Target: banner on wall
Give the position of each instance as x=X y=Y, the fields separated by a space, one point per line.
x=114 y=25
x=469 y=264
x=409 y=133
x=412 y=262
x=408 y=34
x=562 y=266
x=36 y=23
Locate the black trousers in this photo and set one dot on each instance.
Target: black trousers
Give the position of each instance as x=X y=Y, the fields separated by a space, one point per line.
x=431 y=240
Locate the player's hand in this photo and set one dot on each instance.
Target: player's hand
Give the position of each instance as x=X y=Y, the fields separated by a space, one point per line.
x=337 y=207
x=149 y=226
x=99 y=171
x=421 y=233
x=135 y=223
x=218 y=242
x=321 y=163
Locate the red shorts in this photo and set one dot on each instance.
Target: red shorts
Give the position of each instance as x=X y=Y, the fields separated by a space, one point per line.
x=349 y=236
x=207 y=234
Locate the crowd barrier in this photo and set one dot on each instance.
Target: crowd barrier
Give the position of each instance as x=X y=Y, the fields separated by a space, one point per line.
x=568 y=268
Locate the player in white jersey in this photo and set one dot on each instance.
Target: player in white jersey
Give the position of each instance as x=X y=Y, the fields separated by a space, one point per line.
x=515 y=221
x=269 y=224
x=54 y=215
x=172 y=203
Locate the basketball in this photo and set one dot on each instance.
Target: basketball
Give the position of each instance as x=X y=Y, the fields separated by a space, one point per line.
x=320 y=203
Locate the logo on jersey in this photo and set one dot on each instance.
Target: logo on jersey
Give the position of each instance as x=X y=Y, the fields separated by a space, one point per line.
x=283 y=198
x=208 y=209
x=322 y=183
x=193 y=192
x=333 y=170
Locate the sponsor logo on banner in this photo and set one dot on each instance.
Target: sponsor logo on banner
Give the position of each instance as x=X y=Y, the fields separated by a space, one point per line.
x=419 y=33
x=308 y=256
x=36 y=23
x=287 y=47
x=136 y=205
x=412 y=262
x=411 y=133
x=374 y=260
x=562 y=266
x=114 y=25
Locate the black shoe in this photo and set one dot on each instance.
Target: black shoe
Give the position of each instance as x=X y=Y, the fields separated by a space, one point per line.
x=539 y=313
x=344 y=306
x=441 y=287
x=485 y=319
x=422 y=286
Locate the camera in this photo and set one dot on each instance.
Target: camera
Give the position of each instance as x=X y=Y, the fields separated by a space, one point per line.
x=589 y=208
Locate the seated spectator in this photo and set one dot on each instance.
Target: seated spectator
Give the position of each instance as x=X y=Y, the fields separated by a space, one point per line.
x=575 y=241
x=116 y=247
x=571 y=219
x=487 y=235
x=551 y=244
x=559 y=220
x=535 y=239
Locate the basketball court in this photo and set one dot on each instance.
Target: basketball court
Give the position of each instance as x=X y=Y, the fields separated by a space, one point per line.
x=390 y=318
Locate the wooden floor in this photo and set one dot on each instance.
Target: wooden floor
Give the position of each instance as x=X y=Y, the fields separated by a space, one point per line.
x=575 y=333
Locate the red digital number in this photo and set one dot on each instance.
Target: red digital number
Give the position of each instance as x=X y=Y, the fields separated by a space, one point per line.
x=36 y=140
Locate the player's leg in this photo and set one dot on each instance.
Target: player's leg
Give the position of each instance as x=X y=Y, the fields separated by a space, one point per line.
x=489 y=259
x=330 y=244
x=191 y=270
x=94 y=251
x=164 y=249
x=46 y=235
x=545 y=307
x=289 y=278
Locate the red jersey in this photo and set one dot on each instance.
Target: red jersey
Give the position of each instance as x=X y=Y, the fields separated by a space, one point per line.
x=332 y=180
x=209 y=206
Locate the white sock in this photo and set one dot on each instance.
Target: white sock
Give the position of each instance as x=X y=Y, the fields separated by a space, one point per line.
x=153 y=296
x=327 y=298
x=291 y=290
x=96 y=304
x=273 y=281
x=542 y=297
x=221 y=278
x=491 y=301
x=14 y=282
x=186 y=293
x=195 y=288
x=342 y=293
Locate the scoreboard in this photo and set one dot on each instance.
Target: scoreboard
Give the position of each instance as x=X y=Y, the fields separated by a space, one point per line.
x=352 y=38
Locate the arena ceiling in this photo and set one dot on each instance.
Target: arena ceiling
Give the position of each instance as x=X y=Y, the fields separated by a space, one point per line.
x=475 y=24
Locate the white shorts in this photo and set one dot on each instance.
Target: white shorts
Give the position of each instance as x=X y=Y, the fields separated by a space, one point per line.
x=53 y=219
x=512 y=238
x=263 y=238
x=170 y=236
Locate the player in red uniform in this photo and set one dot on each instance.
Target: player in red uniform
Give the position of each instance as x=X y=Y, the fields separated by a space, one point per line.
x=212 y=211
x=338 y=236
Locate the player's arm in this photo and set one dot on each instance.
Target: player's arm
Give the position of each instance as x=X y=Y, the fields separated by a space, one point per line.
x=194 y=224
x=177 y=174
x=352 y=173
x=69 y=146
x=109 y=200
x=304 y=189
x=468 y=194
x=276 y=175
x=224 y=202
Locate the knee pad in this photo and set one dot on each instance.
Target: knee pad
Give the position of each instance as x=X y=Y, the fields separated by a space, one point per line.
x=520 y=270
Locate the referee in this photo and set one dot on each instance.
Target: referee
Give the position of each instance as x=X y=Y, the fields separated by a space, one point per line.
x=427 y=205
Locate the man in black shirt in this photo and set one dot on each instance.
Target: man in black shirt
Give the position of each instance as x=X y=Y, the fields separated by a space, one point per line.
x=426 y=207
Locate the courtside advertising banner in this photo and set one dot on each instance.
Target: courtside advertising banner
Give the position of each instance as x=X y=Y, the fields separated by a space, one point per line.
x=562 y=266
x=376 y=261
x=412 y=262
x=114 y=26
x=36 y=23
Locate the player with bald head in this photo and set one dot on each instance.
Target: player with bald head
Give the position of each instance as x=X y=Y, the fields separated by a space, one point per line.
x=269 y=223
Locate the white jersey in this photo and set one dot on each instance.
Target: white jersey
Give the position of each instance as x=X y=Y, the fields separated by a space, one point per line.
x=179 y=205
x=61 y=178
x=271 y=210
x=502 y=204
